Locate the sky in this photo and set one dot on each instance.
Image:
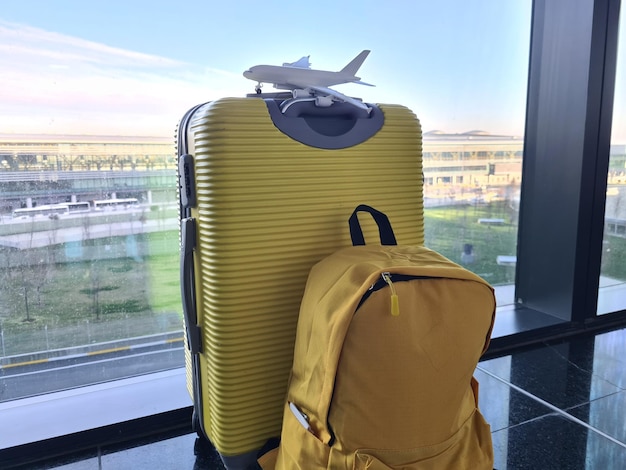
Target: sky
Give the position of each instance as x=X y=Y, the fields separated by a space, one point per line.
x=134 y=67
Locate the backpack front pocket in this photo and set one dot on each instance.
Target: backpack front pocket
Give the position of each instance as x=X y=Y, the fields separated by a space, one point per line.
x=469 y=448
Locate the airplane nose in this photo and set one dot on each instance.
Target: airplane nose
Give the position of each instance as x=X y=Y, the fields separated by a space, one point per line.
x=247 y=73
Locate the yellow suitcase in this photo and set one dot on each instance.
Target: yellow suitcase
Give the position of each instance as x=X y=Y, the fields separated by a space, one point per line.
x=266 y=187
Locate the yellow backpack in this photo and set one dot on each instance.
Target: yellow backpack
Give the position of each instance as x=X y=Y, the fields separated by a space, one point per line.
x=387 y=342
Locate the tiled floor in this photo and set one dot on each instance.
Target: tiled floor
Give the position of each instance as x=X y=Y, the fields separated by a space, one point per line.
x=558 y=406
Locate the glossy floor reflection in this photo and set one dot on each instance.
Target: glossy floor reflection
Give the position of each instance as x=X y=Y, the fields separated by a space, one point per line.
x=559 y=406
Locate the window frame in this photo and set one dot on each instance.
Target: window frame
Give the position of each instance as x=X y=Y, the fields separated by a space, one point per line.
x=571 y=84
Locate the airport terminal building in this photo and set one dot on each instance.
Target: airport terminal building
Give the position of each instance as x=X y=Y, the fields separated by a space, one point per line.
x=52 y=169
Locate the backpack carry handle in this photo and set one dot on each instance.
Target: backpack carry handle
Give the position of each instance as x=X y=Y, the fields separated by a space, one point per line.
x=387 y=236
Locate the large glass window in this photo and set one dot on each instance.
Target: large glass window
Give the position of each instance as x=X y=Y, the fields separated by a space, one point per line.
x=88 y=245
x=612 y=292
x=473 y=142
x=91 y=97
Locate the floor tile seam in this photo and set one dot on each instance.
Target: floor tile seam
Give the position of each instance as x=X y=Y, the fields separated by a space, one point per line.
x=522 y=423
x=554 y=408
x=566 y=359
x=583 y=369
x=580 y=368
x=619 y=389
x=590 y=402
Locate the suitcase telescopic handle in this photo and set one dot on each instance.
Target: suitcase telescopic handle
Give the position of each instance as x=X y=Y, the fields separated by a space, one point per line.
x=187 y=285
x=387 y=236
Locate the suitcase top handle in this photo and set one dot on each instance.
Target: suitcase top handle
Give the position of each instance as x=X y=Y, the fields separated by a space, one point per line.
x=336 y=127
x=387 y=236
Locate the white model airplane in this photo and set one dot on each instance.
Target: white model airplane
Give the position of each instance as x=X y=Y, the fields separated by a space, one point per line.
x=308 y=83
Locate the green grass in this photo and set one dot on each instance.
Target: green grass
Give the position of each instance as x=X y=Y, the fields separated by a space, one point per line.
x=448 y=229
x=164 y=273
x=49 y=306
x=613 y=257
x=93 y=301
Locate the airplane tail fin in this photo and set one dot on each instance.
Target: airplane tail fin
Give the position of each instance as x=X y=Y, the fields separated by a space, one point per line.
x=302 y=63
x=353 y=67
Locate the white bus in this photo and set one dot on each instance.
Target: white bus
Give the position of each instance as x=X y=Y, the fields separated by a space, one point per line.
x=49 y=210
x=114 y=204
x=78 y=207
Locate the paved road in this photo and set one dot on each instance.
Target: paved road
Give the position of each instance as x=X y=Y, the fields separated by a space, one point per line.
x=31 y=379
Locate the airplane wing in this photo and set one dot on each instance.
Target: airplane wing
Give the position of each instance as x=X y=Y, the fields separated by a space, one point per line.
x=302 y=63
x=341 y=97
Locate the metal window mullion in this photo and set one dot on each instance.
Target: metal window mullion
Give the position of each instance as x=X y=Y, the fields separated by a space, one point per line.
x=571 y=81
x=603 y=63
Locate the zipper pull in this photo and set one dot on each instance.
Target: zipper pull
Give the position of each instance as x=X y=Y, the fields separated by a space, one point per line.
x=395 y=305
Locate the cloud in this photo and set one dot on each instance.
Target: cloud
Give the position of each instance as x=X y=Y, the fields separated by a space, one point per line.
x=53 y=83
x=38 y=43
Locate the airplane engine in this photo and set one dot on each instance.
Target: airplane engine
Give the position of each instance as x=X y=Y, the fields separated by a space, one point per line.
x=299 y=93
x=324 y=101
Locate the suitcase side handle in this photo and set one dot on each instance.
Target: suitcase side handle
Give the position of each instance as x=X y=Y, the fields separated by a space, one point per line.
x=387 y=236
x=186 y=182
x=187 y=285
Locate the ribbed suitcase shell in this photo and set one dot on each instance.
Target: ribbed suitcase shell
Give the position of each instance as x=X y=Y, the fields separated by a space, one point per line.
x=269 y=208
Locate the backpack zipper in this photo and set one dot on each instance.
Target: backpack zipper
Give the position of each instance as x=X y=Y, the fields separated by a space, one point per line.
x=395 y=306
x=388 y=279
